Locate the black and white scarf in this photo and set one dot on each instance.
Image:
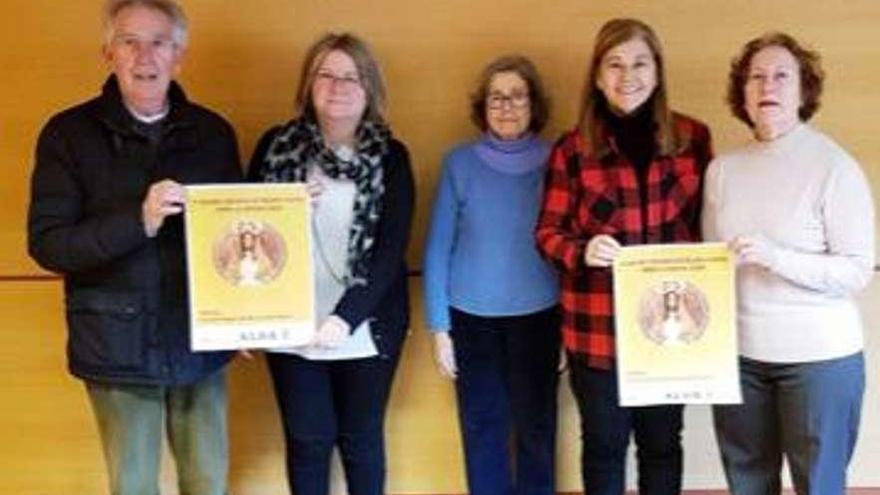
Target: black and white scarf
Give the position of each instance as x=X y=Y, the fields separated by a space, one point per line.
x=300 y=144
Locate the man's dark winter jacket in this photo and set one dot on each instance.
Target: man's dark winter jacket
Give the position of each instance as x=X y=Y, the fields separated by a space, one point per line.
x=126 y=293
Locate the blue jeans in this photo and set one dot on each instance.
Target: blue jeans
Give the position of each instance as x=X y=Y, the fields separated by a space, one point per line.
x=506 y=388
x=808 y=412
x=605 y=433
x=131 y=419
x=328 y=403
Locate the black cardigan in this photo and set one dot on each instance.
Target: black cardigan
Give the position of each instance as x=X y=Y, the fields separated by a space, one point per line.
x=385 y=297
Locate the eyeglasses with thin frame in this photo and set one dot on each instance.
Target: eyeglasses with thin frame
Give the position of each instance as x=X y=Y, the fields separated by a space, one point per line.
x=345 y=81
x=497 y=101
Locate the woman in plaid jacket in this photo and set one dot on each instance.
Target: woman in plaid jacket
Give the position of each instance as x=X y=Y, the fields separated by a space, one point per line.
x=630 y=173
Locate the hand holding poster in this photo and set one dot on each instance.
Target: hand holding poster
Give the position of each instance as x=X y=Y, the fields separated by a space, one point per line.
x=675 y=325
x=249 y=266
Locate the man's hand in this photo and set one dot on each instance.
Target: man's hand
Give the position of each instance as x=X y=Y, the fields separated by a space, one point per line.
x=164 y=198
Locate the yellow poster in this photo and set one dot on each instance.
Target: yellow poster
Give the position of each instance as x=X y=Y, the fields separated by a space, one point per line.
x=249 y=259
x=675 y=316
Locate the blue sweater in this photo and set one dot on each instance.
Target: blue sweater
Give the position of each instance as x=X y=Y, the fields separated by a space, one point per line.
x=481 y=256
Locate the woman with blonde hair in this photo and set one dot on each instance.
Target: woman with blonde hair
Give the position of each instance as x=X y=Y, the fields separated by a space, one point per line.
x=630 y=173
x=334 y=392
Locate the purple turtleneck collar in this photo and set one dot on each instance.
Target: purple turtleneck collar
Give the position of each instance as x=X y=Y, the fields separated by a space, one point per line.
x=518 y=156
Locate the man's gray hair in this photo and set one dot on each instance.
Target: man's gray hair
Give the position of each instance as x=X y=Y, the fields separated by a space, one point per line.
x=168 y=7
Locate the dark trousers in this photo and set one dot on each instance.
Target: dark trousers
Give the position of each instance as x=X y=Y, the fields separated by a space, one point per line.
x=605 y=433
x=506 y=387
x=328 y=403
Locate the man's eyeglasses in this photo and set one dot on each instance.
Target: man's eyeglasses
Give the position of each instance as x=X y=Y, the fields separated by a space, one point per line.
x=347 y=81
x=497 y=101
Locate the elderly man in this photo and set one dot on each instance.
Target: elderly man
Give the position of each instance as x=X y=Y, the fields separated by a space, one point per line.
x=107 y=193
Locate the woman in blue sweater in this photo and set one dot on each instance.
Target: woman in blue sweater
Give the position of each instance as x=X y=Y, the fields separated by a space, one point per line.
x=490 y=299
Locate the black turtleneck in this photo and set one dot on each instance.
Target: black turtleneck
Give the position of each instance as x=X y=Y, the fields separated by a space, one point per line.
x=635 y=138
x=634 y=134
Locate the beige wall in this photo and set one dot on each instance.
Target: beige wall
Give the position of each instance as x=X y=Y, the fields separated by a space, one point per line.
x=243 y=62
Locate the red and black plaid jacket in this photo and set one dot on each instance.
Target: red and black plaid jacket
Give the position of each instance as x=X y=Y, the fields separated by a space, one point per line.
x=589 y=193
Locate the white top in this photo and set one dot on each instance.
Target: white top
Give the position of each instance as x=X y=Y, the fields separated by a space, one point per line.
x=331 y=221
x=807 y=195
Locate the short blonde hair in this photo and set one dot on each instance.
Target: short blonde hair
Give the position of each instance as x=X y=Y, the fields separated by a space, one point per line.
x=369 y=73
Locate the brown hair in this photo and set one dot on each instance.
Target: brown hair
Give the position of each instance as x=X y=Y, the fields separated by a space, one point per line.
x=368 y=69
x=612 y=34
x=168 y=7
x=539 y=104
x=811 y=74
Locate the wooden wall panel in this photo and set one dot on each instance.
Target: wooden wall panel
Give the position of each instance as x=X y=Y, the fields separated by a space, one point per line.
x=244 y=62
